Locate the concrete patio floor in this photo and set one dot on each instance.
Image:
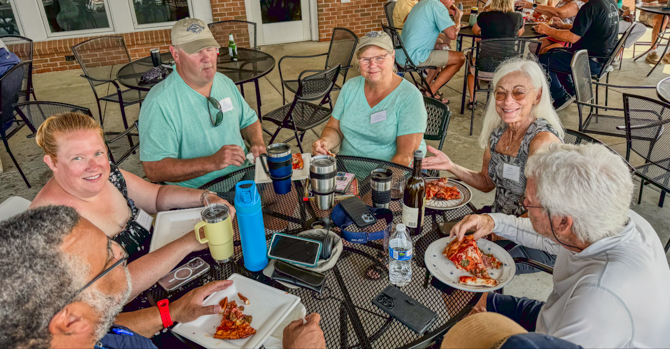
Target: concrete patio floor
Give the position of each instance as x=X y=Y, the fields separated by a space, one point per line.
x=69 y=87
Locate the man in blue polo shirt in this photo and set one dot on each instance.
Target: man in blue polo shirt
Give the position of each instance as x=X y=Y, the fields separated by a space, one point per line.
x=193 y=125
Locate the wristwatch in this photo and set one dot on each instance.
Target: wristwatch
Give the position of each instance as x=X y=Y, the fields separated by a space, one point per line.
x=204 y=194
x=534 y=6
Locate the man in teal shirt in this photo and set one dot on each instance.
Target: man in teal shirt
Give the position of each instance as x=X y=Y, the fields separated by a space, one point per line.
x=424 y=24
x=192 y=124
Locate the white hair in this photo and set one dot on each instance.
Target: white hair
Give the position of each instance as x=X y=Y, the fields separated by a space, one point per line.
x=587 y=182
x=544 y=109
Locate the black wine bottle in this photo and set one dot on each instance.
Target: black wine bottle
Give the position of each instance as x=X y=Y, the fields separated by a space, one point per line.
x=414 y=198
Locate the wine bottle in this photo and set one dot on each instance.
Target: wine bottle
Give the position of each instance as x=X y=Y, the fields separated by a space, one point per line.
x=414 y=199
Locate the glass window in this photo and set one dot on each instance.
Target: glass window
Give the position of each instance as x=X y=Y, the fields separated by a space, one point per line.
x=8 y=23
x=159 y=11
x=69 y=15
x=274 y=11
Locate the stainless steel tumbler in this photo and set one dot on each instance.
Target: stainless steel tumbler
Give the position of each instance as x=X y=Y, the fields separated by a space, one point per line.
x=322 y=171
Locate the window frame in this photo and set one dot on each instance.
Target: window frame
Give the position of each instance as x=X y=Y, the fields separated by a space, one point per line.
x=17 y=17
x=159 y=25
x=76 y=33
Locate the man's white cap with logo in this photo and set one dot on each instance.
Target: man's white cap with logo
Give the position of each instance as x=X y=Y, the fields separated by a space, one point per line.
x=192 y=35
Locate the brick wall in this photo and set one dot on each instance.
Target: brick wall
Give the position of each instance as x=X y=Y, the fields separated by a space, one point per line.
x=49 y=56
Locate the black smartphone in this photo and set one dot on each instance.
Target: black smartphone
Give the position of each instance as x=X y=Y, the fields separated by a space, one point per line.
x=298 y=276
x=359 y=212
x=405 y=309
x=295 y=249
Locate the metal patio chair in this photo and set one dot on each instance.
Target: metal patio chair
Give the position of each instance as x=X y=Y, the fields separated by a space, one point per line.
x=301 y=115
x=10 y=88
x=388 y=11
x=340 y=52
x=576 y=137
x=22 y=47
x=488 y=55
x=439 y=116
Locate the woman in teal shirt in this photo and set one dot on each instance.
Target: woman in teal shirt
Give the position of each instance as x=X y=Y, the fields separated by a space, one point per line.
x=378 y=115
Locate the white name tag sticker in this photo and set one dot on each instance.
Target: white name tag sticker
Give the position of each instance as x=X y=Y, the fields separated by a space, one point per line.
x=511 y=172
x=226 y=105
x=144 y=219
x=377 y=117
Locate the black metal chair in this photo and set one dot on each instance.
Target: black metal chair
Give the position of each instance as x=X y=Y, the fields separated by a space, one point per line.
x=34 y=113
x=646 y=124
x=22 y=47
x=10 y=87
x=488 y=55
x=388 y=11
x=409 y=66
x=301 y=115
x=340 y=52
x=576 y=137
x=100 y=59
x=439 y=116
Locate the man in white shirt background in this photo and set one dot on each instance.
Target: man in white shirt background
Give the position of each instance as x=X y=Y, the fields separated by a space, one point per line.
x=611 y=275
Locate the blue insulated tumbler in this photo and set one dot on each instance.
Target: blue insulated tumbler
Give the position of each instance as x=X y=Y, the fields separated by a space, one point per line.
x=279 y=166
x=250 y=222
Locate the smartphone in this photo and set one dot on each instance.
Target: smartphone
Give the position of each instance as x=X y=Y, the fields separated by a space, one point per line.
x=294 y=249
x=185 y=273
x=358 y=211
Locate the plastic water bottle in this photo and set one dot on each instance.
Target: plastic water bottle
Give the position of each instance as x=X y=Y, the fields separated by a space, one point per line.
x=400 y=257
x=250 y=221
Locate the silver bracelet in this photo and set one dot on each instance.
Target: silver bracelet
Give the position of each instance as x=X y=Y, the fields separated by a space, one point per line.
x=204 y=194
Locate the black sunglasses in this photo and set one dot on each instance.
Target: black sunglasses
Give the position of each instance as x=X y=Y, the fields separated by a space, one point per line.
x=212 y=102
x=123 y=260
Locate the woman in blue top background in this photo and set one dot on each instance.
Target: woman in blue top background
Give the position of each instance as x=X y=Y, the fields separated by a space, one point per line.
x=378 y=115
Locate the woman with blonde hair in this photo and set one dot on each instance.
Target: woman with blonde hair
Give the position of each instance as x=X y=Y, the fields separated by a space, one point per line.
x=116 y=201
x=518 y=121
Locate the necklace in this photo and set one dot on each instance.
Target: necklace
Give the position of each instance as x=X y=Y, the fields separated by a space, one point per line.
x=513 y=139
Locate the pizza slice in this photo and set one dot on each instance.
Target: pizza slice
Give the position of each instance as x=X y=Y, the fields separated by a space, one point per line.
x=474 y=281
x=297 y=162
x=467 y=256
x=234 y=325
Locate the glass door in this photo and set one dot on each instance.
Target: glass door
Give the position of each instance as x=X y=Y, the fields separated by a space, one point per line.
x=281 y=21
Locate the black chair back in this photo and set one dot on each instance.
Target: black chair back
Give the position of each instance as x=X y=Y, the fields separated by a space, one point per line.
x=608 y=66
x=576 y=137
x=10 y=88
x=581 y=77
x=341 y=51
x=492 y=52
x=439 y=116
x=36 y=112
x=21 y=46
x=101 y=58
x=647 y=121
x=388 y=10
x=244 y=33
x=316 y=86
x=398 y=45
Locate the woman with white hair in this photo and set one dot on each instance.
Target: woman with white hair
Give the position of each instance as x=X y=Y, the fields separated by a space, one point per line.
x=378 y=115
x=518 y=121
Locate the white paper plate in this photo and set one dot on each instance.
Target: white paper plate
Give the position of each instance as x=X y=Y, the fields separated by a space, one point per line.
x=447 y=272
x=439 y=204
x=171 y=225
x=269 y=307
x=262 y=177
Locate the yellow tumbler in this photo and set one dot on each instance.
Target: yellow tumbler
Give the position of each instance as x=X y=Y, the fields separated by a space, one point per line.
x=218 y=228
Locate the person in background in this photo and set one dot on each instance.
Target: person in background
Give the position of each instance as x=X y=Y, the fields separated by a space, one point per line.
x=611 y=275
x=658 y=23
x=7 y=61
x=401 y=11
x=518 y=120
x=626 y=20
x=378 y=115
x=562 y=16
x=424 y=24
x=498 y=23
x=116 y=201
x=194 y=123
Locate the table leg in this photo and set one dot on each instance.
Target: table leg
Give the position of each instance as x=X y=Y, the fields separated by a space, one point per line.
x=258 y=98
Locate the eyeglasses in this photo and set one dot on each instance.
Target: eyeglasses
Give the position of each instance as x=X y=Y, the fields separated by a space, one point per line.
x=518 y=93
x=377 y=60
x=522 y=201
x=212 y=102
x=123 y=261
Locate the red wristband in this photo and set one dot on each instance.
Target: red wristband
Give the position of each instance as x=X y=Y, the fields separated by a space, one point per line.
x=165 y=312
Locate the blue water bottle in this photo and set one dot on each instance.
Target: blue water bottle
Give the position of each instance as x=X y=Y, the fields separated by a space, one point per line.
x=250 y=221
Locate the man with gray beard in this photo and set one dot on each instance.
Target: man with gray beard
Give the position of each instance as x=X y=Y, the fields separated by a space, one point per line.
x=64 y=283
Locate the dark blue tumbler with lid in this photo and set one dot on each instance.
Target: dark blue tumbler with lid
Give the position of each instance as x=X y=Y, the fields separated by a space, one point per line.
x=279 y=166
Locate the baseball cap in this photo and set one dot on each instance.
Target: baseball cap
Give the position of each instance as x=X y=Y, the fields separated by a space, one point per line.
x=495 y=331
x=192 y=35
x=376 y=38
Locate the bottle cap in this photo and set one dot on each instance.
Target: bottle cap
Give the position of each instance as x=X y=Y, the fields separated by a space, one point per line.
x=418 y=155
x=400 y=227
x=247 y=199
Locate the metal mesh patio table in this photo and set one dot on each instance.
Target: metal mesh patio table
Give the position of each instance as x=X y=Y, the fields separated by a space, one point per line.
x=349 y=319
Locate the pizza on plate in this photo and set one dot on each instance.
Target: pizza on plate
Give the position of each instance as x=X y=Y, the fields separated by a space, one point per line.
x=298 y=163
x=234 y=325
x=441 y=190
x=468 y=257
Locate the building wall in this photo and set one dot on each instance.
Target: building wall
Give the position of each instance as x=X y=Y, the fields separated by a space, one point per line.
x=49 y=56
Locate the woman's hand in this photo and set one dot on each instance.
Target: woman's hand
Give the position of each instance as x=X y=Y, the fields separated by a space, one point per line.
x=438 y=162
x=215 y=199
x=319 y=147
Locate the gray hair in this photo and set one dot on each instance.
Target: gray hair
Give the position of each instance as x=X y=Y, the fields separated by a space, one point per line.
x=544 y=109
x=37 y=282
x=586 y=182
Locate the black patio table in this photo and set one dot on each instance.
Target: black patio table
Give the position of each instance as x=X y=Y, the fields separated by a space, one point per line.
x=250 y=66
x=349 y=319
x=659 y=10
x=528 y=32
x=663 y=90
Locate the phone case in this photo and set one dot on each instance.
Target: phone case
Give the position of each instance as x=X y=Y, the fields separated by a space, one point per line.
x=184 y=274
x=279 y=258
x=358 y=211
x=405 y=309
x=286 y=272
x=342 y=181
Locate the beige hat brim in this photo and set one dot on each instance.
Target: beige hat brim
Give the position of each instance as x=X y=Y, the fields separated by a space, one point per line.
x=481 y=331
x=378 y=44
x=197 y=45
